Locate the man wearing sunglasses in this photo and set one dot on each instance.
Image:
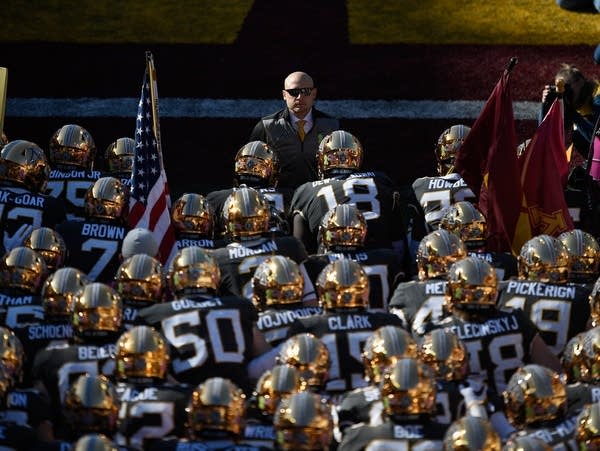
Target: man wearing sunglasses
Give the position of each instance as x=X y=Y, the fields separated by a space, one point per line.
x=296 y=131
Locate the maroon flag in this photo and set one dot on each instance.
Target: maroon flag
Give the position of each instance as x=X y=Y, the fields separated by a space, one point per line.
x=544 y=172
x=149 y=201
x=488 y=163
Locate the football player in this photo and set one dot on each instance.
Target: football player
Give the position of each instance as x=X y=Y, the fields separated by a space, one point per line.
x=97 y=323
x=584 y=255
x=256 y=166
x=150 y=407
x=118 y=158
x=95 y=442
x=277 y=287
x=50 y=245
x=71 y=153
x=587 y=433
x=24 y=172
x=345 y=325
x=94 y=245
x=246 y=216
x=498 y=341
x=309 y=356
x=535 y=403
x=408 y=392
x=339 y=161
x=471 y=433
x=141 y=283
x=558 y=308
x=439 y=192
x=194 y=221
x=382 y=348
x=418 y=302
x=303 y=421
x=342 y=234
x=209 y=335
x=468 y=222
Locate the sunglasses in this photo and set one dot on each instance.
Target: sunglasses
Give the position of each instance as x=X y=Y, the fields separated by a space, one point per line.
x=295 y=92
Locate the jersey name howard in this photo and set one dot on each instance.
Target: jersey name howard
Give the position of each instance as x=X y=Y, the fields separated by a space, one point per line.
x=440 y=183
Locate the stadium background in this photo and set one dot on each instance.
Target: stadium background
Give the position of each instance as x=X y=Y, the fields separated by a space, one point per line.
x=241 y=49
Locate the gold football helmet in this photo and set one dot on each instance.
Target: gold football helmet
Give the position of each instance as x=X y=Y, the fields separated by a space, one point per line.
x=436 y=252
x=97 y=311
x=534 y=393
x=471 y=434
x=309 y=356
x=343 y=227
x=526 y=443
x=472 y=285
x=573 y=360
x=276 y=384
x=22 y=269
x=467 y=221
x=193 y=215
x=446 y=354
x=217 y=404
x=193 y=270
x=584 y=255
x=140 y=279
x=72 y=146
x=447 y=147
x=277 y=281
x=587 y=432
x=142 y=354
x=91 y=405
x=59 y=292
x=590 y=356
x=303 y=421
x=49 y=244
x=256 y=163
x=408 y=388
x=343 y=284
x=339 y=153
x=94 y=442
x=246 y=213
x=12 y=358
x=25 y=163
x=383 y=347
x=107 y=198
x=544 y=259
x=119 y=156
x=594 y=300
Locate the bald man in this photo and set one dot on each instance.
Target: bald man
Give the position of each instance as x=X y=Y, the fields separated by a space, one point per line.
x=296 y=131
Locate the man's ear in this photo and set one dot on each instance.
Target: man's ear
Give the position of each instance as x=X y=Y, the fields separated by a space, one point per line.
x=314 y=93
x=283 y=94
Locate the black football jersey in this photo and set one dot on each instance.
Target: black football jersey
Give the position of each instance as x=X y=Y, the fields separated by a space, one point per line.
x=26 y=406
x=20 y=206
x=275 y=323
x=419 y=302
x=94 y=247
x=497 y=345
x=20 y=310
x=70 y=186
x=202 y=445
x=344 y=333
x=381 y=265
x=204 y=243
x=151 y=412
x=435 y=194
x=559 y=434
x=504 y=263
x=208 y=337
x=237 y=262
x=560 y=311
x=16 y=437
x=579 y=394
x=410 y=435
x=373 y=193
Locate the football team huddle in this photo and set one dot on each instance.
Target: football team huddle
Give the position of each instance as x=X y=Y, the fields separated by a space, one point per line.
x=343 y=314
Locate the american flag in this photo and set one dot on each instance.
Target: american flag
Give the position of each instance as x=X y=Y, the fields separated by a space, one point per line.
x=149 y=201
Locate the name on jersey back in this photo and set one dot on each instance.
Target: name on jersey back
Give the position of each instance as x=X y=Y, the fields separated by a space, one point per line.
x=492 y=326
x=541 y=289
x=241 y=252
x=28 y=200
x=74 y=174
x=103 y=231
x=349 y=322
x=440 y=183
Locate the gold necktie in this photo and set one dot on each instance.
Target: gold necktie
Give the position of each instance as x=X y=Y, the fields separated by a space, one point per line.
x=300 y=125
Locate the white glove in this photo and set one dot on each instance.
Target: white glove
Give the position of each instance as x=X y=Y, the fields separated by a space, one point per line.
x=10 y=242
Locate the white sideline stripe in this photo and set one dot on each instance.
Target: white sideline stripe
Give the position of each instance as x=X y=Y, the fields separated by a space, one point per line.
x=176 y=107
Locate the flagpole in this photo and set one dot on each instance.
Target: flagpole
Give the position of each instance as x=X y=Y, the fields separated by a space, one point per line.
x=154 y=99
x=511 y=64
